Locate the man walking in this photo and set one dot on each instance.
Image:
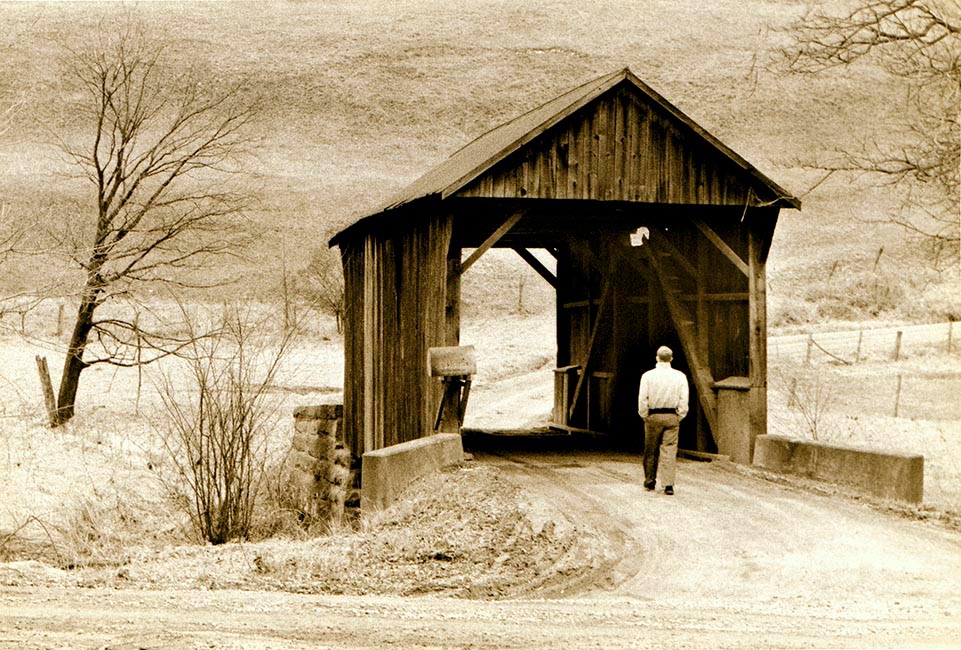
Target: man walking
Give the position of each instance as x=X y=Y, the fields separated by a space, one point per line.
x=662 y=403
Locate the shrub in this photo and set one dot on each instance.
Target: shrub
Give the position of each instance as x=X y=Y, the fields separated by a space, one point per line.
x=215 y=432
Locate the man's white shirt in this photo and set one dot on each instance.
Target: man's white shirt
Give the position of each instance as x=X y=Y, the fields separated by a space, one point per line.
x=663 y=387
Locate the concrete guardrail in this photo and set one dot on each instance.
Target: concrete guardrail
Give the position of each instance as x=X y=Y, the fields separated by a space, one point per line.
x=881 y=474
x=385 y=473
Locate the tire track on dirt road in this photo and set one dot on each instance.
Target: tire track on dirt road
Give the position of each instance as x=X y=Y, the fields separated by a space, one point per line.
x=610 y=556
x=727 y=537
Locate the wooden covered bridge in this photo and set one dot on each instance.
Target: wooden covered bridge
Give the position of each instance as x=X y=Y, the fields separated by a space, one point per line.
x=576 y=176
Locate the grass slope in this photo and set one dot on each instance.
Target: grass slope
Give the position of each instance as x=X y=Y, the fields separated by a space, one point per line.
x=363 y=97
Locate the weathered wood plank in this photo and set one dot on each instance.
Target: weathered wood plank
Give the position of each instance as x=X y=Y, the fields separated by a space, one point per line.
x=586 y=364
x=660 y=240
x=721 y=245
x=757 y=333
x=490 y=241
x=536 y=264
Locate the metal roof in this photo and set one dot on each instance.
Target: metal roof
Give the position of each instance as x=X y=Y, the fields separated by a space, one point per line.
x=481 y=154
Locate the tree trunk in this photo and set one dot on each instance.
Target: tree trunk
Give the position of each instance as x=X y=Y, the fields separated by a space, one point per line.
x=74 y=364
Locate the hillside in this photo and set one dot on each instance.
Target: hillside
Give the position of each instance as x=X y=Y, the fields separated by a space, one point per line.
x=363 y=97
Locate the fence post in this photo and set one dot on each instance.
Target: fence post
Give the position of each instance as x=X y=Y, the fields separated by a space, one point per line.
x=60 y=321
x=792 y=396
x=897 y=398
x=807 y=356
x=897 y=346
x=47 y=387
x=857 y=356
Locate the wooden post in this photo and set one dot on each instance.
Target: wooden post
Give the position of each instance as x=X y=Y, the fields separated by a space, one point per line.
x=369 y=343
x=857 y=356
x=47 y=387
x=563 y=319
x=60 y=321
x=897 y=345
x=703 y=436
x=807 y=355
x=792 y=396
x=584 y=379
x=897 y=399
x=452 y=305
x=757 y=244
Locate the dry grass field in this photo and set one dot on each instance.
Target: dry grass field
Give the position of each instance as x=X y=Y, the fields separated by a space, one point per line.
x=361 y=98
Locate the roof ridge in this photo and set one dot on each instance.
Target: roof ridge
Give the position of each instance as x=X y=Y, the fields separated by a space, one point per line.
x=494 y=145
x=539 y=107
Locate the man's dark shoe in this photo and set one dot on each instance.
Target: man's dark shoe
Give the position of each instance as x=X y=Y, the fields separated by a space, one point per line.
x=669 y=490
x=649 y=485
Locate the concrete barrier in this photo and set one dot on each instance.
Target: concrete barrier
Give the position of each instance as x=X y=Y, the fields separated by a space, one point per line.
x=880 y=474
x=386 y=472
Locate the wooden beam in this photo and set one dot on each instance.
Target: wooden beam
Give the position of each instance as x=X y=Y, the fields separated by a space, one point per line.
x=722 y=246
x=662 y=241
x=757 y=337
x=586 y=365
x=490 y=241
x=536 y=264
x=589 y=255
x=684 y=325
x=762 y=221
x=369 y=343
x=701 y=331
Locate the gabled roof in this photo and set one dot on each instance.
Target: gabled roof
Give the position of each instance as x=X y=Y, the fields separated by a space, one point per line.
x=480 y=155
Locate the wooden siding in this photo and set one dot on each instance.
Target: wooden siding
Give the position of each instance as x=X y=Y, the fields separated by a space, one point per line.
x=618 y=148
x=396 y=296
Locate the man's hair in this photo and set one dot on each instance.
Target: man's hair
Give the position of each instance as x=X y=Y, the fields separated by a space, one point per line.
x=664 y=353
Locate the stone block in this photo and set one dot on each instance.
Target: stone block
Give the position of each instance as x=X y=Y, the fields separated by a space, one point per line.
x=319 y=446
x=319 y=412
x=320 y=468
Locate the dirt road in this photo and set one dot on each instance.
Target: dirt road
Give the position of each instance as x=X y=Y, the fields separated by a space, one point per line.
x=729 y=561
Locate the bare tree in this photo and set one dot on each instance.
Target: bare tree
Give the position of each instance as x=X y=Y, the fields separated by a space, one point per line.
x=160 y=151
x=323 y=283
x=918 y=41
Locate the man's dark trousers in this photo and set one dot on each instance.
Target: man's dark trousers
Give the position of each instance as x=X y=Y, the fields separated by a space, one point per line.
x=660 y=447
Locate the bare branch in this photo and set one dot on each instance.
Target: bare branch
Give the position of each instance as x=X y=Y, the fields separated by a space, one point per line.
x=919 y=41
x=160 y=156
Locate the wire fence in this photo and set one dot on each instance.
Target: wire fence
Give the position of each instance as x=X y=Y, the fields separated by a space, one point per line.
x=847 y=364
x=856 y=346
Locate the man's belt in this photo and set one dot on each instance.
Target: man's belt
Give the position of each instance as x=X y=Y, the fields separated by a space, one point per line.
x=659 y=411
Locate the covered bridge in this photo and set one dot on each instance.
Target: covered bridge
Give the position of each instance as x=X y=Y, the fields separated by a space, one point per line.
x=576 y=176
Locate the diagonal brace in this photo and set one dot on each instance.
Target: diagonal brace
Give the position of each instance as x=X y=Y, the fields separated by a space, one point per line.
x=536 y=264
x=490 y=241
x=722 y=246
